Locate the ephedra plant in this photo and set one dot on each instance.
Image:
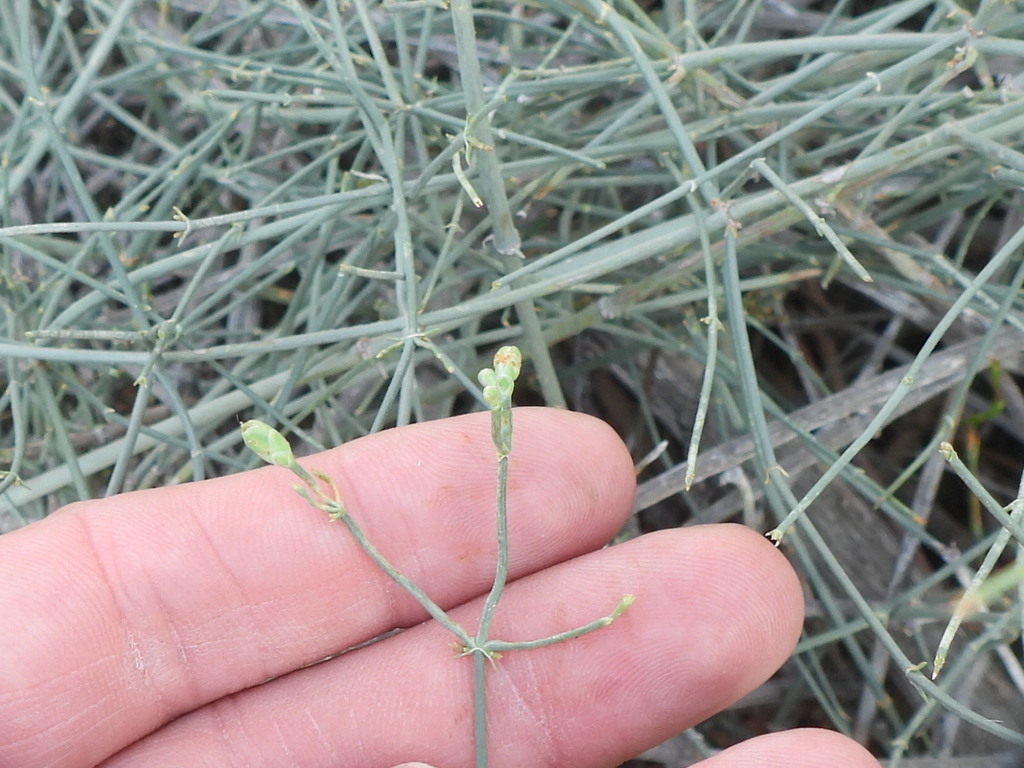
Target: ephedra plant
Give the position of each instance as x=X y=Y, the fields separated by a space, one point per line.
x=321 y=491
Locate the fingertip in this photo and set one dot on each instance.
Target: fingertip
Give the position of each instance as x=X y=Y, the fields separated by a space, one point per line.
x=759 y=569
x=788 y=595
x=798 y=748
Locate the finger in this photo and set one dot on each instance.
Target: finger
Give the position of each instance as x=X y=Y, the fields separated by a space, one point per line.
x=717 y=610
x=177 y=597
x=801 y=748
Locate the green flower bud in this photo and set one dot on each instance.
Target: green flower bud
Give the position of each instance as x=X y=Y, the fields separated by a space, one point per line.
x=267 y=443
x=505 y=384
x=492 y=396
x=499 y=381
x=508 y=361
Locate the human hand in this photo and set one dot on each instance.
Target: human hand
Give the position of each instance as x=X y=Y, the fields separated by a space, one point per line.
x=142 y=630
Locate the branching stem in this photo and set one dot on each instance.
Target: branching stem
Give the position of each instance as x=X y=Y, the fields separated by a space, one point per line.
x=321 y=492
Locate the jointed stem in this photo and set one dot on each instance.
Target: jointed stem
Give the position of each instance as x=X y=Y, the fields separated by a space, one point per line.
x=431 y=607
x=333 y=506
x=501 y=569
x=498 y=383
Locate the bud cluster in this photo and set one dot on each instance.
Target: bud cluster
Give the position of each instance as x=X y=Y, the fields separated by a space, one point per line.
x=499 y=381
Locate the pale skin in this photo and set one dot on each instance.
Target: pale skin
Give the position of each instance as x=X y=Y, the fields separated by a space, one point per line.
x=142 y=630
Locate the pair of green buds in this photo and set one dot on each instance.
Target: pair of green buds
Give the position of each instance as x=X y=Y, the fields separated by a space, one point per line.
x=498 y=384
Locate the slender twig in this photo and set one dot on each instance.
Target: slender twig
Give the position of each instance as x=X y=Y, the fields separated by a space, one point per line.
x=321 y=492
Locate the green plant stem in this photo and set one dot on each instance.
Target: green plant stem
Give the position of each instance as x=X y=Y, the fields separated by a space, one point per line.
x=969 y=601
x=337 y=511
x=952 y=314
x=997 y=511
x=506 y=237
x=714 y=325
x=501 y=569
x=499 y=646
x=820 y=225
x=431 y=607
x=507 y=240
x=480 y=709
